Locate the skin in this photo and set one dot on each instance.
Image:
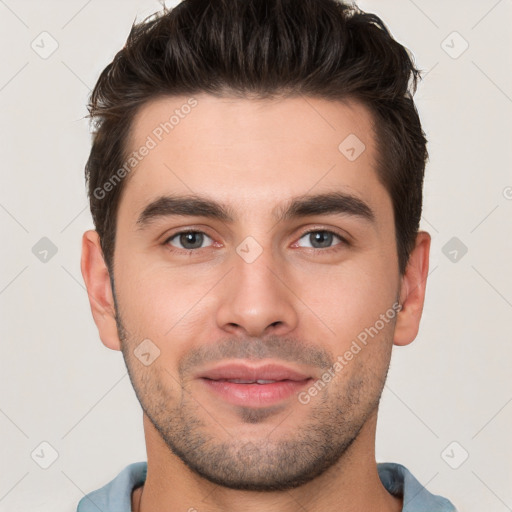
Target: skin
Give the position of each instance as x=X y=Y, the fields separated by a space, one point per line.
x=297 y=303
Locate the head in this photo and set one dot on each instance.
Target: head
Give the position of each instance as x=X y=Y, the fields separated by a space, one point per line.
x=252 y=121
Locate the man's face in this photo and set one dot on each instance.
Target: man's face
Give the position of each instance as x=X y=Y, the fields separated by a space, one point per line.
x=256 y=289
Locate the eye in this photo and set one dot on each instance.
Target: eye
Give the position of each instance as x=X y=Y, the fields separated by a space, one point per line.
x=322 y=239
x=188 y=240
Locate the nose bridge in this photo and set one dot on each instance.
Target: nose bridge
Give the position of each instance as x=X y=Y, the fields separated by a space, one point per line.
x=256 y=297
x=252 y=268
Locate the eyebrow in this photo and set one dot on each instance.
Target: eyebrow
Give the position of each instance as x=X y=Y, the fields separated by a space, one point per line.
x=302 y=206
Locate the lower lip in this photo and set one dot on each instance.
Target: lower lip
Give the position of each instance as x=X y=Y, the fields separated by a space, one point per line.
x=254 y=395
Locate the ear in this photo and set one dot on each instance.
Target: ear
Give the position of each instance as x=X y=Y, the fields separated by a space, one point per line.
x=412 y=291
x=99 y=290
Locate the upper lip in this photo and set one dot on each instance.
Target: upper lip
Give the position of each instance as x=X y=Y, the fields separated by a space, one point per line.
x=270 y=371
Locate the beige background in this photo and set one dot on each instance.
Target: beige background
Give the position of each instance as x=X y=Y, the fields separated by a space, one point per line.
x=61 y=386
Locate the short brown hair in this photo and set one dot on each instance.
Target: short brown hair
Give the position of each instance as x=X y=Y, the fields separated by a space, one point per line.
x=262 y=49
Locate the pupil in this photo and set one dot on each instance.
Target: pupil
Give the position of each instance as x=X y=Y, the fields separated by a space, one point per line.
x=323 y=238
x=193 y=238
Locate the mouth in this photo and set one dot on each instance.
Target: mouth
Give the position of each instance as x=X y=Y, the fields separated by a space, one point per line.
x=250 y=386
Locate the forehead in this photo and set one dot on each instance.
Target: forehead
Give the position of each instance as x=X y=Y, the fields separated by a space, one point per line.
x=245 y=152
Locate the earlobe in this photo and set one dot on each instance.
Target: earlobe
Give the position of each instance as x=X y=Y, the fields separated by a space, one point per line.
x=412 y=291
x=99 y=290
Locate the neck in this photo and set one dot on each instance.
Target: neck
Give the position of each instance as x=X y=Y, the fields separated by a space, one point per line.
x=351 y=484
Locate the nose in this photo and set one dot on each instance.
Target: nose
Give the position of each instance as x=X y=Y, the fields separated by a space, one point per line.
x=258 y=298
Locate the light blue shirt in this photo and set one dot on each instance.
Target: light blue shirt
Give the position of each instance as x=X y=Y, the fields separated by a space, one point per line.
x=116 y=496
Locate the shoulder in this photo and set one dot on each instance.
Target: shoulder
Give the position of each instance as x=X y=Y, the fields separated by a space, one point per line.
x=116 y=495
x=399 y=481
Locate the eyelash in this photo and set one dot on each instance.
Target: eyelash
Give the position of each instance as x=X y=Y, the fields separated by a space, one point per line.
x=344 y=241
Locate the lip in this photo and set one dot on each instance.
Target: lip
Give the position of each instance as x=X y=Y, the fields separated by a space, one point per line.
x=269 y=371
x=289 y=381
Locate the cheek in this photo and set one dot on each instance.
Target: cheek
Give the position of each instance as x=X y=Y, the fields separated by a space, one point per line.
x=352 y=296
x=159 y=301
